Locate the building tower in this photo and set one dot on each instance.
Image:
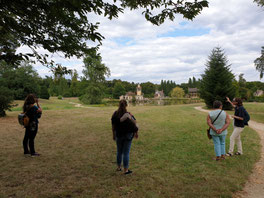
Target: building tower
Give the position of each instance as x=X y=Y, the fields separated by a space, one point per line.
x=139 y=90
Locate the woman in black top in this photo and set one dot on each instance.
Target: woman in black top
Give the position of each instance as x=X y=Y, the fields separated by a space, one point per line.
x=238 y=126
x=34 y=113
x=123 y=130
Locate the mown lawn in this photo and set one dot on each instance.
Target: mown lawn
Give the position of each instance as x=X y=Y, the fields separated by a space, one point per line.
x=256 y=111
x=171 y=158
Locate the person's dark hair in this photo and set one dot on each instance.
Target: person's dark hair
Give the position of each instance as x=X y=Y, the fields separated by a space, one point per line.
x=217 y=104
x=30 y=99
x=122 y=108
x=239 y=101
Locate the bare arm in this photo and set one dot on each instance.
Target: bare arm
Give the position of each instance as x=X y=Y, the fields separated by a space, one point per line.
x=209 y=122
x=237 y=117
x=39 y=108
x=228 y=100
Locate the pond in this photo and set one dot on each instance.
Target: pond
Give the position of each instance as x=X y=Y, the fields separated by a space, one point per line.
x=157 y=102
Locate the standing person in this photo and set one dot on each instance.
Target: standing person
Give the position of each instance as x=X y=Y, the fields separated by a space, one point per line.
x=34 y=113
x=123 y=133
x=218 y=121
x=238 y=126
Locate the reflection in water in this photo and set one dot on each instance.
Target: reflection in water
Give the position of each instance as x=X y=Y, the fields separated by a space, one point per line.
x=157 y=102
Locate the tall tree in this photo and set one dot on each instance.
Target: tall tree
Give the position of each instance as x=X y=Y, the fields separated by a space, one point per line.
x=259 y=63
x=118 y=90
x=64 y=25
x=217 y=80
x=95 y=71
x=6 y=94
x=148 y=89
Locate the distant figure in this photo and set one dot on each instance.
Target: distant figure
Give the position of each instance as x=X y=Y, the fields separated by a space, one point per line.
x=34 y=113
x=218 y=121
x=124 y=129
x=238 y=126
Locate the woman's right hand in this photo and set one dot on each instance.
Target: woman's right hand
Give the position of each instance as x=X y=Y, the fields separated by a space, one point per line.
x=136 y=135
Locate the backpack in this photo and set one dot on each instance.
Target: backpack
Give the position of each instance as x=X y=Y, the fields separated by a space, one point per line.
x=246 y=117
x=23 y=119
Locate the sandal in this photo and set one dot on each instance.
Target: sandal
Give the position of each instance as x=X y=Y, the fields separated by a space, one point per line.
x=237 y=153
x=229 y=154
x=118 y=169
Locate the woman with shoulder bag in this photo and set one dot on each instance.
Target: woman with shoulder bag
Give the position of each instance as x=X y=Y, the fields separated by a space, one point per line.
x=218 y=121
x=34 y=113
x=124 y=129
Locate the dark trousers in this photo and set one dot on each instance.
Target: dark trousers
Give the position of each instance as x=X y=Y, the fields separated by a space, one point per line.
x=29 y=140
x=123 y=149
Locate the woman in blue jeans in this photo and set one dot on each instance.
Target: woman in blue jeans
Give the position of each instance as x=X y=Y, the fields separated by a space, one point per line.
x=218 y=121
x=123 y=125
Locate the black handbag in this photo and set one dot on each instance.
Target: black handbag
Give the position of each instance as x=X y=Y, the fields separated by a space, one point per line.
x=208 y=130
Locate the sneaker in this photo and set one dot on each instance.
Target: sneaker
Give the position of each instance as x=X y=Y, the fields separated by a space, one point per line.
x=237 y=153
x=229 y=154
x=27 y=154
x=128 y=172
x=35 y=155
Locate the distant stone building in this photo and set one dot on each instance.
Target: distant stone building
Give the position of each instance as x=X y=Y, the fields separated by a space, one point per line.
x=129 y=95
x=159 y=94
x=259 y=93
x=193 y=92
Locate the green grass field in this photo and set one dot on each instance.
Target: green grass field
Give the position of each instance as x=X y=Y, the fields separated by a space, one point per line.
x=171 y=158
x=256 y=111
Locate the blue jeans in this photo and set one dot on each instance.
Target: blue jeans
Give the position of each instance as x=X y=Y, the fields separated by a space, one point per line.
x=219 y=145
x=123 y=149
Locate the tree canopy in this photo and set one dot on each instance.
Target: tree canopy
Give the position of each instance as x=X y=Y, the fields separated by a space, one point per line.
x=217 y=81
x=64 y=26
x=259 y=63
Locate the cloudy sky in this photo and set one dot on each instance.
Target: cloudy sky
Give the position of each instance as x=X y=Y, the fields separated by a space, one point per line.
x=135 y=50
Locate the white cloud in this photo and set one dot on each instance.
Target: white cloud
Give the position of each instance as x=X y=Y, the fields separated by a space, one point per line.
x=134 y=49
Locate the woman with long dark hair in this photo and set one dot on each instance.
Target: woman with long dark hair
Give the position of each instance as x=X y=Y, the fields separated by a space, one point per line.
x=238 y=126
x=123 y=132
x=34 y=113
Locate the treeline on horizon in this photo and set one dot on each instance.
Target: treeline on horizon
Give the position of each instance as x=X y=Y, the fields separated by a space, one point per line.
x=24 y=80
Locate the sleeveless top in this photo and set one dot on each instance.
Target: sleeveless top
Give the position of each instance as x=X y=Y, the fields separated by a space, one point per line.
x=219 y=123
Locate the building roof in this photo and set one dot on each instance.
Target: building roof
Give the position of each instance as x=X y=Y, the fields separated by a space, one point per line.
x=130 y=93
x=193 y=90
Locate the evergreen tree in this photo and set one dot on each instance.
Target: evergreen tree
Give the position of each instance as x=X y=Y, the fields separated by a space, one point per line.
x=217 y=80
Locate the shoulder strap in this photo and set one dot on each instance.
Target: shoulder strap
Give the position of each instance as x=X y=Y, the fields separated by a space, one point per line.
x=217 y=116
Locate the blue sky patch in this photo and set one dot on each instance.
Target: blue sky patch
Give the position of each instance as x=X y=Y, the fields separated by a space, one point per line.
x=125 y=41
x=186 y=32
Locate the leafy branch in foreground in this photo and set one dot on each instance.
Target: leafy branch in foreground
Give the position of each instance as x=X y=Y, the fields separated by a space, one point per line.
x=64 y=25
x=259 y=63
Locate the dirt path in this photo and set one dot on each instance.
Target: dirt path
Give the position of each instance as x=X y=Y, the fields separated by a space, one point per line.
x=254 y=187
x=79 y=105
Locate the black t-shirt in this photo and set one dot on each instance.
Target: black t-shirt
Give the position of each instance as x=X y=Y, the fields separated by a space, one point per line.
x=239 y=111
x=33 y=114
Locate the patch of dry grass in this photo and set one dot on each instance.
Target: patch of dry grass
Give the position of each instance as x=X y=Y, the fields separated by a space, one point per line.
x=171 y=158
